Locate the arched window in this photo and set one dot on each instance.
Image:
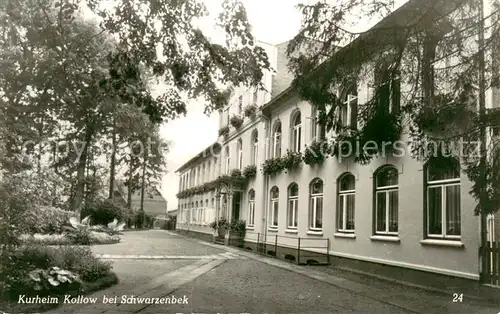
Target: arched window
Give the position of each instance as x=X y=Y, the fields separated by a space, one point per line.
x=251 y=208
x=240 y=154
x=209 y=171
x=443 y=198
x=195 y=216
x=293 y=205
x=316 y=205
x=275 y=193
x=277 y=140
x=318 y=130
x=228 y=160
x=349 y=106
x=255 y=147
x=386 y=201
x=346 y=205
x=296 y=132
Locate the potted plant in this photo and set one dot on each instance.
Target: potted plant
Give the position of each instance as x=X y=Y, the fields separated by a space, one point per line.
x=251 y=111
x=224 y=131
x=221 y=226
x=237 y=229
x=272 y=166
x=250 y=171
x=291 y=160
x=236 y=121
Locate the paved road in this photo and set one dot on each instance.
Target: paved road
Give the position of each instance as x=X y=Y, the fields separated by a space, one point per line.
x=158 y=266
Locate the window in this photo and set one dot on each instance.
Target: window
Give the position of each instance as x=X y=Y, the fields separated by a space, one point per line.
x=443 y=199
x=346 y=197
x=316 y=205
x=296 y=132
x=251 y=208
x=195 y=212
x=209 y=171
x=293 y=205
x=213 y=202
x=240 y=104
x=216 y=170
x=274 y=207
x=226 y=116
x=349 y=106
x=277 y=140
x=255 y=147
x=203 y=174
x=255 y=96
x=228 y=160
x=240 y=154
x=389 y=88
x=386 y=201
x=317 y=128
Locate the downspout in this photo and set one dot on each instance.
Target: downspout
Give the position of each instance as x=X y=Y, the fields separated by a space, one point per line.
x=266 y=177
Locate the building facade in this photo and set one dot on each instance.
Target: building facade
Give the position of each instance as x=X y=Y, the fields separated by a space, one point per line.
x=394 y=211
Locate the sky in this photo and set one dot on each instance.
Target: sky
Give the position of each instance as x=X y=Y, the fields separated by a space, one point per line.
x=273 y=21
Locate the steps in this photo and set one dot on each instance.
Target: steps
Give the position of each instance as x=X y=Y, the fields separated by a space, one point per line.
x=219 y=240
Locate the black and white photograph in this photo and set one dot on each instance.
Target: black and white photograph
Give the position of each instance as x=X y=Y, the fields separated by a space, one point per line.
x=249 y=156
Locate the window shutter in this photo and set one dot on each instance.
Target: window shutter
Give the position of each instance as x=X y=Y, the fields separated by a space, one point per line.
x=354 y=114
x=396 y=96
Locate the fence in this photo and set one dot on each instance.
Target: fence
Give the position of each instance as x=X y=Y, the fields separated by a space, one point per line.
x=302 y=251
x=492 y=255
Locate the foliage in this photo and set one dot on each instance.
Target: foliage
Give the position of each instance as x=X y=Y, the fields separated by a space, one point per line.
x=47 y=219
x=224 y=131
x=79 y=231
x=272 y=166
x=236 y=121
x=316 y=152
x=143 y=220
x=238 y=225
x=291 y=160
x=250 y=171
x=103 y=212
x=441 y=86
x=236 y=178
x=251 y=111
x=46 y=239
x=236 y=173
x=26 y=259
x=221 y=223
x=54 y=277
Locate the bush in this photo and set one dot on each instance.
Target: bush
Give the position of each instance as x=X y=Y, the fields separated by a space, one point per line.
x=15 y=272
x=47 y=220
x=66 y=239
x=46 y=239
x=105 y=211
x=143 y=220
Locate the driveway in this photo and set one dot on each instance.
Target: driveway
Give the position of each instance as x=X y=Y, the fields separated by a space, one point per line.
x=158 y=268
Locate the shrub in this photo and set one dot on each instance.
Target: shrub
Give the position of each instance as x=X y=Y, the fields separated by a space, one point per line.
x=238 y=225
x=316 y=152
x=65 y=239
x=46 y=239
x=39 y=259
x=47 y=220
x=236 y=173
x=105 y=211
x=236 y=121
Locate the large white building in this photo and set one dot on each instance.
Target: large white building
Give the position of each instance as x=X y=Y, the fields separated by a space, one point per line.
x=394 y=211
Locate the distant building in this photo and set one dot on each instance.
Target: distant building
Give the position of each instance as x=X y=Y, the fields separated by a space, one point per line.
x=154 y=203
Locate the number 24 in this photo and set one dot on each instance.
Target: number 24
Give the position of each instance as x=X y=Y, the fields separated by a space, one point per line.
x=458 y=297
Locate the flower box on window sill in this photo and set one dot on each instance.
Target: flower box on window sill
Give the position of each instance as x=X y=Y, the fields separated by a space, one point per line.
x=441 y=242
x=315 y=232
x=385 y=238
x=345 y=235
x=273 y=229
x=291 y=231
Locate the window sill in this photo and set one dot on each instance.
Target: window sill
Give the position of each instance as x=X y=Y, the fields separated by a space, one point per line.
x=250 y=228
x=272 y=229
x=291 y=231
x=385 y=238
x=345 y=235
x=316 y=233
x=438 y=242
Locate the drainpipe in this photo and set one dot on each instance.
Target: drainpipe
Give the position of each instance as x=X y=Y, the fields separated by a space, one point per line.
x=266 y=177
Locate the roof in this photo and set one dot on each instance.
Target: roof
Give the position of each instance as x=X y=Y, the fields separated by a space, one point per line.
x=199 y=156
x=413 y=12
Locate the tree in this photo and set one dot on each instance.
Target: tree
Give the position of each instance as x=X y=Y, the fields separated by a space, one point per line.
x=438 y=99
x=439 y=104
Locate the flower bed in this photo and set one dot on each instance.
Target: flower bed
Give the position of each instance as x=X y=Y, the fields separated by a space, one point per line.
x=33 y=270
x=64 y=239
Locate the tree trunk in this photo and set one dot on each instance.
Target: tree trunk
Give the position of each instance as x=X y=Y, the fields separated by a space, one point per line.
x=130 y=177
x=143 y=179
x=80 y=175
x=112 y=165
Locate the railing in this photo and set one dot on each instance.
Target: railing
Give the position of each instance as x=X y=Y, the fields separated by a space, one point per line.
x=491 y=253
x=302 y=251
